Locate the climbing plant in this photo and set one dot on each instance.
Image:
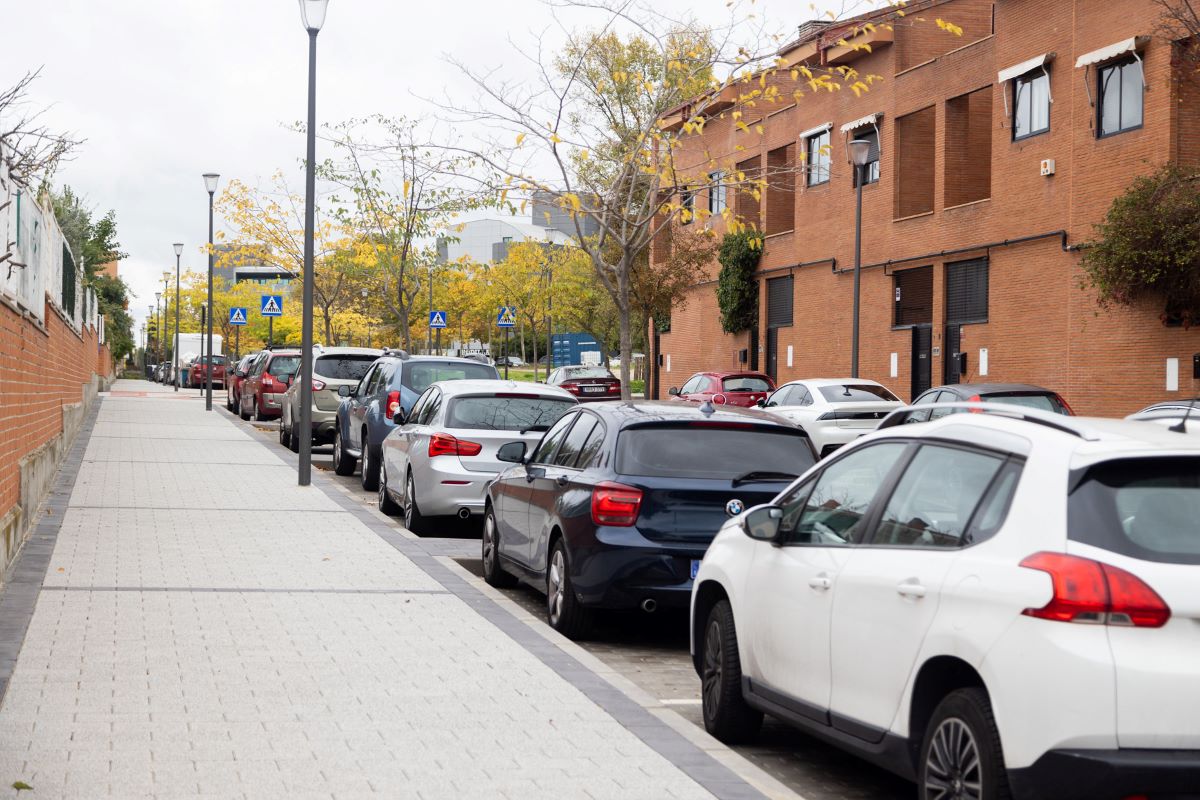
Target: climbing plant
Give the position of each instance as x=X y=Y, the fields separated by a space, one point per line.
x=737 y=290
x=1148 y=246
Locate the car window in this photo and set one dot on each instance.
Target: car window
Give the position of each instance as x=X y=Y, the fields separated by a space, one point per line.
x=545 y=450
x=712 y=451
x=572 y=373
x=587 y=453
x=992 y=512
x=383 y=378
x=856 y=393
x=419 y=407
x=936 y=497
x=830 y=511
x=283 y=366
x=1038 y=400
x=418 y=375
x=782 y=397
x=429 y=411
x=507 y=411
x=259 y=364
x=691 y=386
x=343 y=367
x=928 y=397
x=365 y=383
x=573 y=443
x=803 y=397
x=745 y=383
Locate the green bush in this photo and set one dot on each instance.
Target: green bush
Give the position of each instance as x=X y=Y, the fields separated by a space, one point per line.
x=1149 y=245
x=737 y=290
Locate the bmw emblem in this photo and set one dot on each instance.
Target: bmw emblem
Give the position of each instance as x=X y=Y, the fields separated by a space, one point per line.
x=734 y=507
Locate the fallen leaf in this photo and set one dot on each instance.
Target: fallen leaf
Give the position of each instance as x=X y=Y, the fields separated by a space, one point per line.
x=22 y=786
x=60 y=569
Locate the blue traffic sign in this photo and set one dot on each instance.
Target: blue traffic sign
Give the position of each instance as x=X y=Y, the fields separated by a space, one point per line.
x=437 y=319
x=237 y=316
x=507 y=318
x=272 y=305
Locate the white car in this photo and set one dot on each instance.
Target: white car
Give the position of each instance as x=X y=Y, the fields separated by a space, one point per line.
x=1181 y=414
x=441 y=458
x=995 y=601
x=833 y=412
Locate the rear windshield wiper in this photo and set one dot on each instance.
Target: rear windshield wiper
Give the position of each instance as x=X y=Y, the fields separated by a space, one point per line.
x=763 y=475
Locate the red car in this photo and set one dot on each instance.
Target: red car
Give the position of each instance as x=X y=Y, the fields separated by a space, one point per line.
x=587 y=383
x=268 y=378
x=235 y=378
x=198 y=374
x=742 y=389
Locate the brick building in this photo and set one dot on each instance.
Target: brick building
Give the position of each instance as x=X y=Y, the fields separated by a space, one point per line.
x=995 y=154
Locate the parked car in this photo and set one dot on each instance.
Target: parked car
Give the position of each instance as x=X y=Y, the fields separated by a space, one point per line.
x=743 y=389
x=265 y=382
x=833 y=412
x=333 y=367
x=235 y=378
x=616 y=505
x=440 y=460
x=586 y=383
x=1013 y=394
x=198 y=373
x=512 y=361
x=367 y=412
x=1184 y=415
x=159 y=370
x=998 y=600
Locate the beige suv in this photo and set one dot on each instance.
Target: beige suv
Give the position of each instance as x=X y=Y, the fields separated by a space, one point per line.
x=332 y=367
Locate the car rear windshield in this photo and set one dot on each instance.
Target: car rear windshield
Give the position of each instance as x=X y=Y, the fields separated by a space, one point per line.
x=284 y=365
x=702 y=450
x=1042 y=401
x=586 y=372
x=217 y=359
x=500 y=413
x=856 y=393
x=745 y=383
x=418 y=375
x=1145 y=508
x=345 y=367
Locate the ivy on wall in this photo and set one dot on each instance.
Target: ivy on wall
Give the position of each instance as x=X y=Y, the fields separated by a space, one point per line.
x=737 y=290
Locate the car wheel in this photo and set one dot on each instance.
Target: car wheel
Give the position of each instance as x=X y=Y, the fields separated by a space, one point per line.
x=259 y=416
x=961 y=757
x=386 y=504
x=493 y=573
x=563 y=610
x=343 y=462
x=726 y=714
x=242 y=412
x=294 y=439
x=412 y=512
x=370 y=467
x=285 y=437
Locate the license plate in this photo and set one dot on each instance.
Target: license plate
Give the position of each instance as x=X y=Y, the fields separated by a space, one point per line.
x=695 y=568
x=595 y=389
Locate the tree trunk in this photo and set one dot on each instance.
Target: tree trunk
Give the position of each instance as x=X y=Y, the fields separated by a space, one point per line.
x=626 y=338
x=405 y=333
x=535 y=355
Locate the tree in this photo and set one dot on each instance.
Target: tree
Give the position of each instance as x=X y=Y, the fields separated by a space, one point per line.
x=737 y=289
x=1179 y=21
x=30 y=150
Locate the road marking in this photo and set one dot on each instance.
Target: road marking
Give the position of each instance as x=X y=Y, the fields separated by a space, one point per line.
x=680 y=702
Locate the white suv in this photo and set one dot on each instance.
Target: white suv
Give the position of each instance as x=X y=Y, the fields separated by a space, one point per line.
x=994 y=602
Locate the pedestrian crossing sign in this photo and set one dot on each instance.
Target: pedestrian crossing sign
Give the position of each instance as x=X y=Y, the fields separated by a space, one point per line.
x=237 y=316
x=272 y=305
x=507 y=317
x=437 y=319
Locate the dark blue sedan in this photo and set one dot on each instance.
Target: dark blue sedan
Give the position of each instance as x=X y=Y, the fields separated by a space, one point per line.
x=616 y=505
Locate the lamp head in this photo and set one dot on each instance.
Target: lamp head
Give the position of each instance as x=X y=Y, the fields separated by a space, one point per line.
x=860 y=152
x=178 y=248
x=157 y=296
x=210 y=182
x=312 y=13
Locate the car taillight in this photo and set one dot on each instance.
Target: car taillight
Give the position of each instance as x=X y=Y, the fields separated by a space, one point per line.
x=267 y=381
x=392 y=405
x=1063 y=403
x=614 y=388
x=318 y=385
x=443 y=444
x=571 y=387
x=615 y=504
x=719 y=399
x=1091 y=591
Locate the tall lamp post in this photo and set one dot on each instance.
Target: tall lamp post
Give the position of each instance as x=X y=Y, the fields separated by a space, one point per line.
x=312 y=15
x=151 y=316
x=166 y=305
x=175 y=350
x=210 y=185
x=158 y=342
x=860 y=151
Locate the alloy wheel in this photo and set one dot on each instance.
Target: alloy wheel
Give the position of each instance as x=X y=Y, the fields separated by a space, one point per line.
x=489 y=544
x=711 y=682
x=953 y=769
x=409 y=503
x=556 y=585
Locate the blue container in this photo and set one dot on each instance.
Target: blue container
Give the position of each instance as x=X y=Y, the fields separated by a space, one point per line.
x=568 y=348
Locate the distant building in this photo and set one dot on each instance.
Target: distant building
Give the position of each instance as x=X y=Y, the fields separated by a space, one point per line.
x=241 y=264
x=482 y=241
x=111 y=269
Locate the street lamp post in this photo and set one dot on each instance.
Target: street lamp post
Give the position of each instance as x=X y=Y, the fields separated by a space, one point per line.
x=158 y=343
x=175 y=349
x=860 y=151
x=210 y=184
x=151 y=317
x=429 y=331
x=166 y=307
x=312 y=15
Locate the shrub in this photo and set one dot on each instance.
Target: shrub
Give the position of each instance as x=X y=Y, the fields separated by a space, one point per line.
x=737 y=290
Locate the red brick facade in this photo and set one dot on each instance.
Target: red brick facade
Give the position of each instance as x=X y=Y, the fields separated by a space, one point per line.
x=952 y=178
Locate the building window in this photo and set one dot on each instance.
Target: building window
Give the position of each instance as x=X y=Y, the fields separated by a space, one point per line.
x=1120 y=107
x=687 y=206
x=818 y=158
x=967 y=291
x=869 y=134
x=716 y=192
x=1031 y=104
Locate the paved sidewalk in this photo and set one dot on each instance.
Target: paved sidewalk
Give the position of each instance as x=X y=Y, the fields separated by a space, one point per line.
x=206 y=627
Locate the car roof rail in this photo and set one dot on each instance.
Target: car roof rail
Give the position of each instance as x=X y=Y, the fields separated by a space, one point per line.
x=398 y=352
x=1046 y=419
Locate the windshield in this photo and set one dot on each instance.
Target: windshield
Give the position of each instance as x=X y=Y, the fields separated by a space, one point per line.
x=1042 y=401
x=344 y=368
x=417 y=375
x=1146 y=508
x=500 y=413
x=711 y=451
x=745 y=383
x=571 y=373
x=857 y=393
x=282 y=366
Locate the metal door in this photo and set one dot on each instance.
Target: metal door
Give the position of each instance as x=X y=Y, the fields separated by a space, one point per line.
x=922 y=359
x=773 y=353
x=951 y=349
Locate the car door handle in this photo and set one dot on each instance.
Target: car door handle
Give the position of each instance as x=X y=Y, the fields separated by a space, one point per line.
x=820 y=582
x=910 y=588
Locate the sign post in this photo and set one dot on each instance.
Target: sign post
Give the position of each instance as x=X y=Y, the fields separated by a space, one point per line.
x=506 y=319
x=271 y=306
x=237 y=318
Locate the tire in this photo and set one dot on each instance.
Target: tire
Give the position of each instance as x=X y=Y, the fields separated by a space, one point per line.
x=242 y=412
x=726 y=714
x=493 y=573
x=343 y=463
x=413 y=519
x=294 y=440
x=564 y=612
x=259 y=416
x=370 y=467
x=285 y=436
x=386 y=504
x=961 y=756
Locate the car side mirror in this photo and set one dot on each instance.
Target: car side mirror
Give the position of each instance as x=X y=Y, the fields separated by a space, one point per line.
x=762 y=403
x=762 y=522
x=344 y=391
x=673 y=391
x=511 y=453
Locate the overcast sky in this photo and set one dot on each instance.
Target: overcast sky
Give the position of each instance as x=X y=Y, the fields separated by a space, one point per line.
x=164 y=90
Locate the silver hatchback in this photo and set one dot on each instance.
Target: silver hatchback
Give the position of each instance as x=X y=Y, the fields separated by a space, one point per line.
x=332 y=367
